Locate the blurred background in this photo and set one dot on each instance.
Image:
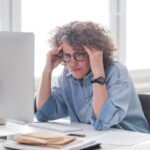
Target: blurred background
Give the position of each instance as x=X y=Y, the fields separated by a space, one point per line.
x=127 y=21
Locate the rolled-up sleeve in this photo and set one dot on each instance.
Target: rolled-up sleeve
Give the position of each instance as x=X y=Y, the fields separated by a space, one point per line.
x=46 y=110
x=55 y=107
x=115 y=107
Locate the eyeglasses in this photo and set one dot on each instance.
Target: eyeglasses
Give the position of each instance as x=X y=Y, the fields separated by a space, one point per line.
x=78 y=56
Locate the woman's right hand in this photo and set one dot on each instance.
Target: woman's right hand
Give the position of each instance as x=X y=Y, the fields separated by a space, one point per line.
x=52 y=60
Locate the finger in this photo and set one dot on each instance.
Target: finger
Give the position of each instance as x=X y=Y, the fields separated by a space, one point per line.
x=87 y=50
x=51 y=53
x=55 y=51
x=92 y=50
x=60 y=47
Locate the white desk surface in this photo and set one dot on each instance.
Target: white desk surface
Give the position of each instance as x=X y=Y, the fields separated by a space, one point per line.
x=142 y=140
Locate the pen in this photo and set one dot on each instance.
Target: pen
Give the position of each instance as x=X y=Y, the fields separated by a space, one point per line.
x=78 y=135
x=93 y=147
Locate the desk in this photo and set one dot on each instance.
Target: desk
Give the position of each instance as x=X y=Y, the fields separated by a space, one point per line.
x=144 y=144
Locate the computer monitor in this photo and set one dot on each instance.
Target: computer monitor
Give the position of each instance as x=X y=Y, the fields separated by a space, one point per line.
x=17 y=76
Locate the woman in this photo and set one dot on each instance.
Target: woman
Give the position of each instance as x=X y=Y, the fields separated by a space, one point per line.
x=92 y=87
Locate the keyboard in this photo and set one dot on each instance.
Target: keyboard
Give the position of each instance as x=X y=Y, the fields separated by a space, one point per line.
x=54 y=126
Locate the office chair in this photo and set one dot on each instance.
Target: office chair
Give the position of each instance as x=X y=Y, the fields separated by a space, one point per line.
x=145 y=102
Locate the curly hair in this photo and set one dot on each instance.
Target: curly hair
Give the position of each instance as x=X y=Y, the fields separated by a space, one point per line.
x=85 y=33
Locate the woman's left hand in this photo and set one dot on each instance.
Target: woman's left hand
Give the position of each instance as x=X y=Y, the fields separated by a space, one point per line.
x=96 y=61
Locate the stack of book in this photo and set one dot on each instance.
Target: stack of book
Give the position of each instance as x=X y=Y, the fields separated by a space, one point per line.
x=46 y=140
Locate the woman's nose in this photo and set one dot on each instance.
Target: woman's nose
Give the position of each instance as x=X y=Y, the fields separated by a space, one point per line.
x=73 y=62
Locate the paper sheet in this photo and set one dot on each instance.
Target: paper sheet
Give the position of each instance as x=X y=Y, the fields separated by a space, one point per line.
x=75 y=146
x=122 y=138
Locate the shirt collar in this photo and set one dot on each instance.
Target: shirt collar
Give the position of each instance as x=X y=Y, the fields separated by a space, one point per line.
x=68 y=73
x=86 y=79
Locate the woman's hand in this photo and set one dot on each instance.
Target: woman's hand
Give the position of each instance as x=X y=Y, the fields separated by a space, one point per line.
x=96 y=61
x=44 y=91
x=99 y=90
x=52 y=60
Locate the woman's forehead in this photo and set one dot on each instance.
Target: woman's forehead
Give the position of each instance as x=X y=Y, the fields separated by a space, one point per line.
x=67 y=48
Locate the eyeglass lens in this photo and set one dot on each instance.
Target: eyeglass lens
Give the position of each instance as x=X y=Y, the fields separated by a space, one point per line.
x=77 y=56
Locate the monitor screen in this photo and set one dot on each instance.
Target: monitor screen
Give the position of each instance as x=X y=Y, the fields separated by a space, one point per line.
x=16 y=76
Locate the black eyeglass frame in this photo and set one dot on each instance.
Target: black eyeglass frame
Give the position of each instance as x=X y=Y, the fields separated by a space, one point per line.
x=75 y=56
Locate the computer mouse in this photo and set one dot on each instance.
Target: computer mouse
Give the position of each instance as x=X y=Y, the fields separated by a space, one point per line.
x=2 y=121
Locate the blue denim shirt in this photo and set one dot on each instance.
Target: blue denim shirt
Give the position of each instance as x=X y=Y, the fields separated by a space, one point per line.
x=70 y=97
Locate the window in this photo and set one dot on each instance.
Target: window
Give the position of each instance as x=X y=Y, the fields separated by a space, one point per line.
x=138 y=31
x=137 y=43
x=127 y=20
x=41 y=17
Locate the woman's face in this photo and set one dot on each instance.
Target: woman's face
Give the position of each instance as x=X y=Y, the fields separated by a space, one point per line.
x=79 y=69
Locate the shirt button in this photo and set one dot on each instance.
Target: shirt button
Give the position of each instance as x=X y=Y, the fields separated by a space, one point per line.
x=86 y=100
x=81 y=116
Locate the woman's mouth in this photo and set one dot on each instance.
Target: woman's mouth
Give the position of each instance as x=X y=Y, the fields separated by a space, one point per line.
x=76 y=69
